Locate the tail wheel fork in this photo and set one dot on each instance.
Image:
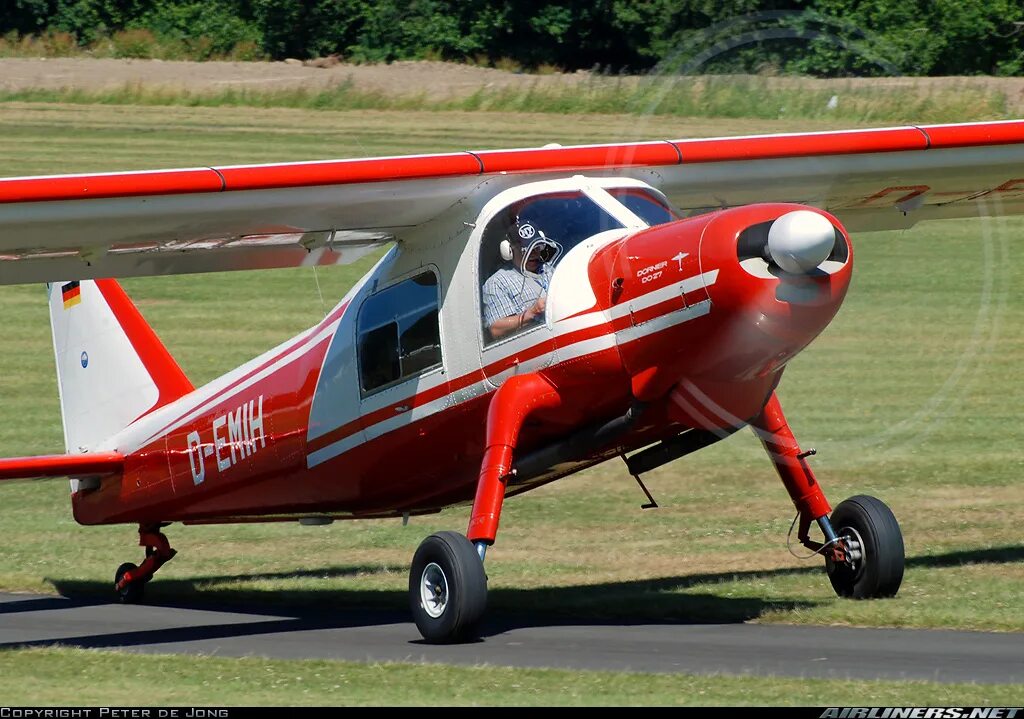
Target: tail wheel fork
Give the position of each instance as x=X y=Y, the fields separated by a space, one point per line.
x=863 y=547
x=129 y=579
x=447 y=583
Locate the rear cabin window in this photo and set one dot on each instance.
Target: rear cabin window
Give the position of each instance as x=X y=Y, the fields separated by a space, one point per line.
x=398 y=333
x=644 y=204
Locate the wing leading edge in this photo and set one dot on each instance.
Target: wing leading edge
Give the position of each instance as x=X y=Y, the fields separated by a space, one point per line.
x=61 y=465
x=293 y=214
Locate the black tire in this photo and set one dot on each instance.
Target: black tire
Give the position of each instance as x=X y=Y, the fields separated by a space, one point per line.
x=460 y=586
x=134 y=591
x=879 y=572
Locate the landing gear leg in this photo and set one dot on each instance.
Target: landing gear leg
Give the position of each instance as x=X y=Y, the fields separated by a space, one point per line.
x=447 y=583
x=130 y=580
x=863 y=545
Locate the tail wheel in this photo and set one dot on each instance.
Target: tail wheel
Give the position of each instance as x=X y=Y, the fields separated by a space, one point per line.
x=447 y=588
x=132 y=592
x=874 y=558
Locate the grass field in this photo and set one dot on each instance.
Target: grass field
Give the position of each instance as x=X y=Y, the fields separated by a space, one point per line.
x=93 y=678
x=912 y=394
x=727 y=96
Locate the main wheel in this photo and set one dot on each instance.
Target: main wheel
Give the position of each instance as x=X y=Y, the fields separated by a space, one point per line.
x=869 y=527
x=132 y=592
x=447 y=588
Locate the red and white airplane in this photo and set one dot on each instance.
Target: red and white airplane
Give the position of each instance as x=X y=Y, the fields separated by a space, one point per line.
x=676 y=277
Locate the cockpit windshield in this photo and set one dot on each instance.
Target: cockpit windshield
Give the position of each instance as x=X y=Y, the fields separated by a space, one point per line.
x=567 y=218
x=523 y=243
x=644 y=204
x=521 y=246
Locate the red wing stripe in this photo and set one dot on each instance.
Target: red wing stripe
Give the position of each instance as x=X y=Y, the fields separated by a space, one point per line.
x=975 y=135
x=579 y=158
x=61 y=465
x=467 y=164
x=344 y=172
x=223 y=182
x=822 y=143
x=124 y=184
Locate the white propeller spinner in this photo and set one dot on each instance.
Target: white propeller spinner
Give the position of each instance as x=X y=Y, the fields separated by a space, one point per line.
x=800 y=240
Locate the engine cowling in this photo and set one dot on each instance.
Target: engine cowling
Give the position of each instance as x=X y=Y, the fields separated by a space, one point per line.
x=710 y=308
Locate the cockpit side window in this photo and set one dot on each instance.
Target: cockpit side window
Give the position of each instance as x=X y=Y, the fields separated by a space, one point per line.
x=398 y=332
x=644 y=204
x=521 y=247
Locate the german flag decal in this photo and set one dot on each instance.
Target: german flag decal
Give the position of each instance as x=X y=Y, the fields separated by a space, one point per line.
x=72 y=294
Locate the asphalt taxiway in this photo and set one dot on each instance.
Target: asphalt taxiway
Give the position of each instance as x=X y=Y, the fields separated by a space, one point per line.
x=729 y=648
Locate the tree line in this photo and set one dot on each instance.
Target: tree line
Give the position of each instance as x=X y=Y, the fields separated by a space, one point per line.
x=818 y=37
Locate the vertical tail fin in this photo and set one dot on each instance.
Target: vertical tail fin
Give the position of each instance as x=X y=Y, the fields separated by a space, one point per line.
x=111 y=366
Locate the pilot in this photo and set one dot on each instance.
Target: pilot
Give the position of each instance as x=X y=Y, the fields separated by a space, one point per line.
x=515 y=295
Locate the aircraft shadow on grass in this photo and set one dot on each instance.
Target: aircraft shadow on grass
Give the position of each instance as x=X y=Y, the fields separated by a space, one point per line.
x=649 y=601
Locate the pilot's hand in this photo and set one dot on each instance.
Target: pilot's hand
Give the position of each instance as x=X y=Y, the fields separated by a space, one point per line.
x=531 y=313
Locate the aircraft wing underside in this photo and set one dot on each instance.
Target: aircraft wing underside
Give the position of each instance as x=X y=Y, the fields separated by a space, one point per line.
x=284 y=215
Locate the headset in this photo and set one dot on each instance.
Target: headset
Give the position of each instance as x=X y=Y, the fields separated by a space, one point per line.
x=505 y=248
x=524 y=230
x=527 y=233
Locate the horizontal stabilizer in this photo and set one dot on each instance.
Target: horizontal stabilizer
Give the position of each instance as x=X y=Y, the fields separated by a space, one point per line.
x=61 y=465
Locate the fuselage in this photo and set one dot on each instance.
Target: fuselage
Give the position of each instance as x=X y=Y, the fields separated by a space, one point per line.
x=379 y=411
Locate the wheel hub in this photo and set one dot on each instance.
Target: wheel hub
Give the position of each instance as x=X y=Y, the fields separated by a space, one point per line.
x=852 y=551
x=433 y=590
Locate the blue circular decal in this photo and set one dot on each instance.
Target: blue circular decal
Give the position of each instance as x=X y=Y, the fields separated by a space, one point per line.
x=85 y=359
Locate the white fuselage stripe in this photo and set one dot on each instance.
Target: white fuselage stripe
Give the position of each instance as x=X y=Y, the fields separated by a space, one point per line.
x=315 y=336
x=643 y=302
x=572 y=352
x=663 y=322
x=523 y=343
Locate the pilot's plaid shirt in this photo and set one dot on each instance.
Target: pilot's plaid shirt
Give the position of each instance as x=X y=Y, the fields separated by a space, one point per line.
x=509 y=292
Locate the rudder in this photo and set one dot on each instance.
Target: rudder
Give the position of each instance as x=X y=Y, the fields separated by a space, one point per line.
x=111 y=366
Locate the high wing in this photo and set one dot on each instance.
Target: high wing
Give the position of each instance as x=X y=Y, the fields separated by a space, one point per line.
x=880 y=179
x=61 y=465
x=258 y=216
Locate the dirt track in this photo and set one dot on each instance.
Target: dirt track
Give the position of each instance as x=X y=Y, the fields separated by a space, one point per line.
x=400 y=78
x=438 y=80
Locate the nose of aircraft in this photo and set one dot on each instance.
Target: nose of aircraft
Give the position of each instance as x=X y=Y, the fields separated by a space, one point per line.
x=801 y=240
x=783 y=273
x=727 y=296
